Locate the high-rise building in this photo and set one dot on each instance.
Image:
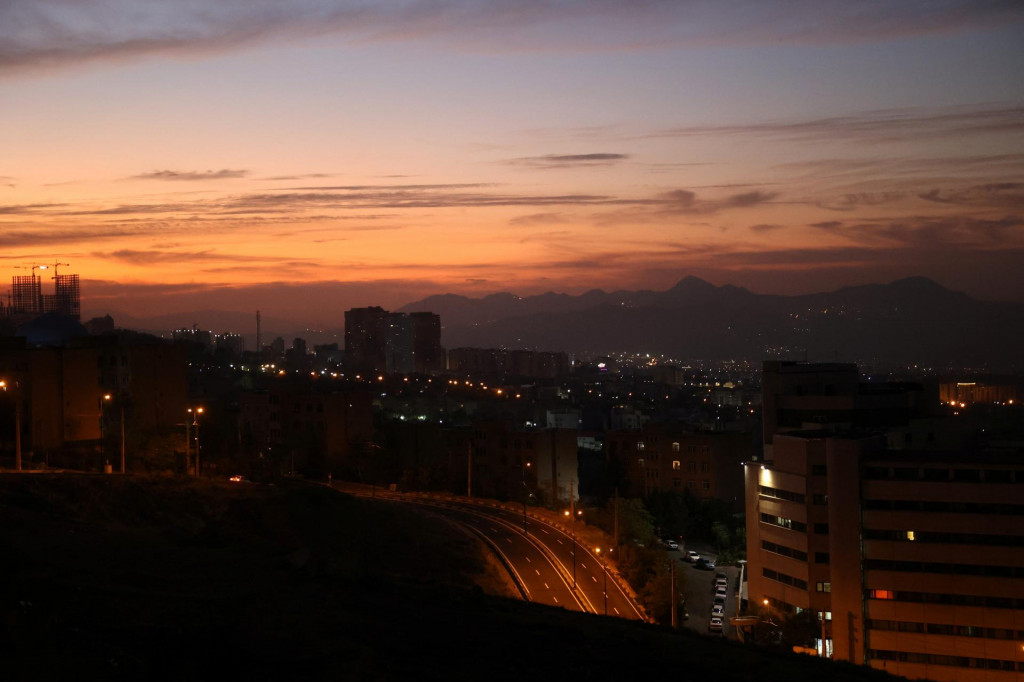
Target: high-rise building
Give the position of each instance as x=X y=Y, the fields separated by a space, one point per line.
x=396 y=343
x=905 y=542
x=366 y=339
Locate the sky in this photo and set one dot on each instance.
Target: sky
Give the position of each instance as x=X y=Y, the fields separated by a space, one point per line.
x=307 y=156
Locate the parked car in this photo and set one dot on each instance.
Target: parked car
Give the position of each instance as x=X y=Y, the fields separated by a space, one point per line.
x=715 y=625
x=721 y=592
x=720 y=599
x=670 y=544
x=705 y=564
x=692 y=557
x=718 y=611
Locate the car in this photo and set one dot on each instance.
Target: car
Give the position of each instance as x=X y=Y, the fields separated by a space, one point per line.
x=715 y=625
x=691 y=557
x=705 y=564
x=721 y=582
x=721 y=592
x=718 y=611
x=720 y=599
x=672 y=544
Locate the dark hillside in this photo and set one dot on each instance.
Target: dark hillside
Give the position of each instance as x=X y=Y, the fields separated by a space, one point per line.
x=166 y=579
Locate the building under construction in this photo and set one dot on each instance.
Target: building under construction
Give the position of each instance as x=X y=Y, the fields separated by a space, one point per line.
x=27 y=300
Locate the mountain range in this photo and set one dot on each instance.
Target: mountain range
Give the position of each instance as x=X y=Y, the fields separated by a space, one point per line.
x=912 y=321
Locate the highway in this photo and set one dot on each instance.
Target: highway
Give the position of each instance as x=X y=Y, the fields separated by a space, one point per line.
x=540 y=560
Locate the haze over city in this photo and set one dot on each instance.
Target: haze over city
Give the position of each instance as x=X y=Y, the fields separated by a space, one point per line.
x=305 y=157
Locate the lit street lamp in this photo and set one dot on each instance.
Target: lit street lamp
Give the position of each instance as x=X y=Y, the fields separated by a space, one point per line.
x=526 y=495
x=573 y=512
x=107 y=398
x=195 y=412
x=17 y=423
x=604 y=570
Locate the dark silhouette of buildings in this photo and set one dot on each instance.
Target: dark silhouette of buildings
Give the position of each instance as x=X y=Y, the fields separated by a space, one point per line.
x=62 y=391
x=378 y=341
x=495 y=362
x=27 y=300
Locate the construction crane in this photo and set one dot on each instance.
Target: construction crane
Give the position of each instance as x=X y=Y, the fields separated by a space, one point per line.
x=54 y=266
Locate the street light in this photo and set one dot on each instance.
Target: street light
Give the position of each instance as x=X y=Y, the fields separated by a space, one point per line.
x=17 y=423
x=526 y=495
x=108 y=398
x=604 y=570
x=195 y=412
x=573 y=513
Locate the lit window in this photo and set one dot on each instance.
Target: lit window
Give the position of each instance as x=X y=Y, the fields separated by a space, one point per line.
x=676 y=465
x=640 y=445
x=675 y=447
x=910 y=535
x=882 y=594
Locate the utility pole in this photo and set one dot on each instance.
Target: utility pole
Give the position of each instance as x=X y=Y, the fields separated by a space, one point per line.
x=17 y=430
x=187 y=462
x=615 y=516
x=122 y=439
x=672 y=590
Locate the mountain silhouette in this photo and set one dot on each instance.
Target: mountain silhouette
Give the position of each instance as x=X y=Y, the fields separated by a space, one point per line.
x=911 y=321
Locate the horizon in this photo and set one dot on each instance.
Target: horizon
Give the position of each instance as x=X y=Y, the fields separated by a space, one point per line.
x=338 y=323
x=311 y=157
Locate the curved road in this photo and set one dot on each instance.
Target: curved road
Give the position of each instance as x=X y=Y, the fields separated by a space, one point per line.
x=540 y=560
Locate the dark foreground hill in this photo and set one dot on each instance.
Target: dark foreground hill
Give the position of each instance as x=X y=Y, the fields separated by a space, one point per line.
x=168 y=579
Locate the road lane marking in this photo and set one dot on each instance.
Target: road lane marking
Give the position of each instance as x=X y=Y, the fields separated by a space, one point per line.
x=593 y=578
x=508 y=540
x=583 y=564
x=546 y=586
x=544 y=531
x=538 y=573
x=616 y=611
x=527 y=559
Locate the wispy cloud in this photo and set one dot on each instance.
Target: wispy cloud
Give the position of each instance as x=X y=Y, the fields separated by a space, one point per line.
x=191 y=176
x=874 y=126
x=552 y=161
x=37 y=33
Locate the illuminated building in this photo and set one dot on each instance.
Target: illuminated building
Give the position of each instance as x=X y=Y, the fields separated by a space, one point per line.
x=913 y=556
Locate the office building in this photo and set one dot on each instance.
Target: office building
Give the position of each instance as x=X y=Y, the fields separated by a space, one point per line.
x=904 y=540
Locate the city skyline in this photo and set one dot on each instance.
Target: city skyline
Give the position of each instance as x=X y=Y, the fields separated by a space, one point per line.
x=182 y=157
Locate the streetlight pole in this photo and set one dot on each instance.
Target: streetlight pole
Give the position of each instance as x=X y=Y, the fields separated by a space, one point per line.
x=187 y=437
x=199 y=411
x=526 y=494
x=604 y=571
x=123 y=470
x=573 y=513
x=194 y=413
x=17 y=423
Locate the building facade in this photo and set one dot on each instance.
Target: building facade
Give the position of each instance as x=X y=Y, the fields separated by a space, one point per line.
x=905 y=541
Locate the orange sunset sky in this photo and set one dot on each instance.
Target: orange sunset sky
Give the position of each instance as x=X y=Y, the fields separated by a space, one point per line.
x=307 y=156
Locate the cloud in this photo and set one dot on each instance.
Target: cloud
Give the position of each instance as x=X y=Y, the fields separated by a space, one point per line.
x=537 y=219
x=882 y=126
x=1007 y=195
x=37 y=33
x=551 y=161
x=764 y=227
x=191 y=176
x=934 y=233
x=305 y=176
